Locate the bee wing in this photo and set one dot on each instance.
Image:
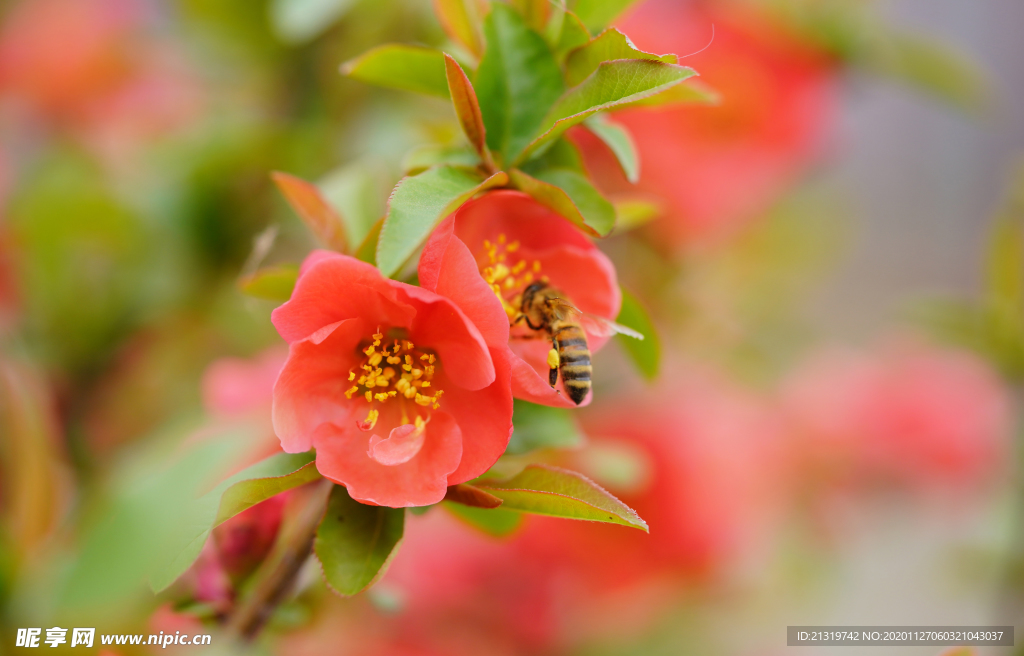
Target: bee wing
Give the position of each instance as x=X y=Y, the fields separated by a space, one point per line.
x=563 y=308
x=593 y=324
x=601 y=327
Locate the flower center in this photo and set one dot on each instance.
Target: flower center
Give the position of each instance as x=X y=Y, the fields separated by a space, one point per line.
x=397 y=371
x=508 y=280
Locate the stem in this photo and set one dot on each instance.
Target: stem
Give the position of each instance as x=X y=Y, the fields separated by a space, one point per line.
x=275 y=577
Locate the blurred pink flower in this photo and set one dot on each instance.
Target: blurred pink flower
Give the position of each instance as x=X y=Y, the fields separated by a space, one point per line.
x=906 y=414
x=716 y=168
x=96 y=67
x=234 y=386
x=718 y=463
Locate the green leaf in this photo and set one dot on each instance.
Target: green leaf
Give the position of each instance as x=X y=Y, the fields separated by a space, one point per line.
x=614 y=83
x=196 y=518
x=423 y=157
x=541 y=427
x=631 y=213
x=299 y=21
x=460 y=20
x=497 y=522
x=621 y=144
x=645 y=353
x=271 y=283
x=571 y=195
x=1005 y=264
x=573 y=35
x=367 y=251
x=247 y=493
x=410 y=68
x=355 y=542
x=562 y=154
x=596 y=14
x=534 y=12
x=150 y=503
x=467 y=109
x=692 y=92
x=546 y=490
x=607 y=46
x=517 y=82
x=314 y=210
x=419 y=203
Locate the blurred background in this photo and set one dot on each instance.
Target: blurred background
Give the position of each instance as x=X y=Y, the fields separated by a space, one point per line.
x=835 y=268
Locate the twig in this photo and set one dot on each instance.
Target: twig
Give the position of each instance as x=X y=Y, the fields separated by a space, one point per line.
x=275 y=577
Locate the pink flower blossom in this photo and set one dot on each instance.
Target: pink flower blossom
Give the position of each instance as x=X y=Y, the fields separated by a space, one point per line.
x=488 y=252
x=392 y=384
x=907 y=414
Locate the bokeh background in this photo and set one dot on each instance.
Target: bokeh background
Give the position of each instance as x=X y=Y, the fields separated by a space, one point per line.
x=836 y=272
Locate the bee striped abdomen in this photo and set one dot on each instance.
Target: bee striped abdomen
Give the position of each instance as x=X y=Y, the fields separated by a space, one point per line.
x=574 y=361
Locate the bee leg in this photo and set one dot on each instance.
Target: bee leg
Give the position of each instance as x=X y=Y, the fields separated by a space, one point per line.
x=523 y=317
x=553 y=362
x=529 y=337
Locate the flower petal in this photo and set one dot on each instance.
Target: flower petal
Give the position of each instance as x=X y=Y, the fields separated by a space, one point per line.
x=485 y=418
x=310 y=389
x=529 y=384
x=334 y=287
x=449 y=268
x=423 y=480
x=519 y=218
x=401 y=445
x=440 y=324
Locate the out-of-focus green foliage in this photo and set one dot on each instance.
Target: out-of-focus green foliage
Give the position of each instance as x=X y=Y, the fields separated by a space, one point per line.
x=271 y=284
x=497 y=522
x=994 y=326
x=541 y=427
x=645 y=353
x=852 y=31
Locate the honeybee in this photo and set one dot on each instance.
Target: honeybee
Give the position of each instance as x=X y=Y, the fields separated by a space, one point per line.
x=546 y=309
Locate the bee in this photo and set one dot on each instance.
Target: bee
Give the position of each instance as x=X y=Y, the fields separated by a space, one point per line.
x=547 y=310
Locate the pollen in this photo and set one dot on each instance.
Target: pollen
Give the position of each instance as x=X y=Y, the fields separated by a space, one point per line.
x=507 y=281
x=398 y=372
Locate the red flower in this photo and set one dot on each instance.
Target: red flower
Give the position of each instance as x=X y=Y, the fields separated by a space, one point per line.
x=718 y=167
x=488 y=252
x=392 y=384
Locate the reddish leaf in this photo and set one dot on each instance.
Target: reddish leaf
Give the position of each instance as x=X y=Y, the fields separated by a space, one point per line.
x=468 y=495
x=311 y=207
x=467 y=108
x=461 y=21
